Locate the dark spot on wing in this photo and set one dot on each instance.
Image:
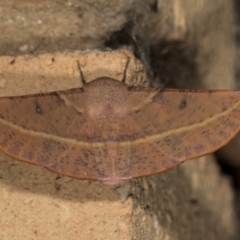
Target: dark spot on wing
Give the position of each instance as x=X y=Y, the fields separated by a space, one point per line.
x=183 y=104
x=38 y=108
x=13 y=61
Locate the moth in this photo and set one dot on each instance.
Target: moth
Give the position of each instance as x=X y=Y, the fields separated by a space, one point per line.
x=111 y=132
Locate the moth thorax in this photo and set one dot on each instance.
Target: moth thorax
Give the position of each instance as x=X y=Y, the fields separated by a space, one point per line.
x=106 y=98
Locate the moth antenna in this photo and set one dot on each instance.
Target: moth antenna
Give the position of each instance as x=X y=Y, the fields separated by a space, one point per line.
x=81 y=73
x=125 y=70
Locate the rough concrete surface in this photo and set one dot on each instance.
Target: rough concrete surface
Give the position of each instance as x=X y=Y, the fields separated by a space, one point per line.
x=37 y=204
x=45 y=73
x=181 y=46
